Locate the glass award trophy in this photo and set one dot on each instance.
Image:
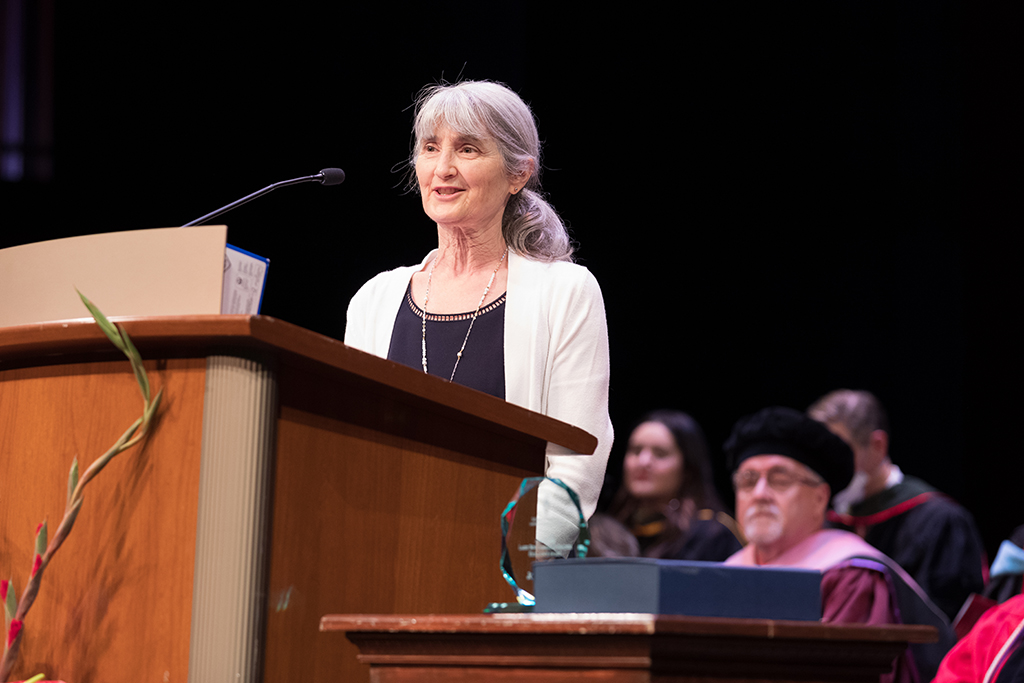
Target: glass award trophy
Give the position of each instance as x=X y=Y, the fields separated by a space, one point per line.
x=549 y=525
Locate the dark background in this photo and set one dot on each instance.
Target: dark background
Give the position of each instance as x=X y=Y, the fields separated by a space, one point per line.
x=778 y=199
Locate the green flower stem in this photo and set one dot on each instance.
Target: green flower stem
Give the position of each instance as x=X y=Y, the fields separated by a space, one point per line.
x=76 y=485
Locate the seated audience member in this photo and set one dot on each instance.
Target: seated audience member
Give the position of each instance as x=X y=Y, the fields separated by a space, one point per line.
x=609 y=538
x=667 y=500
x=785 y=466
x=993 y=652
x=1007 y=573
x=1005 y=578
x=927 y=533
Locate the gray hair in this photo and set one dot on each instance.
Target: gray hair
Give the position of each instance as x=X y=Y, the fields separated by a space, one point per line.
x=484 y=109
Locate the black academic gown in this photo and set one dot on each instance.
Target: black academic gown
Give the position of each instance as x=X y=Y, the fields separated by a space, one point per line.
x=928 y=534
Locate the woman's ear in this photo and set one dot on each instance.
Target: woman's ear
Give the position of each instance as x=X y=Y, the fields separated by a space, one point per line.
x=519 y=181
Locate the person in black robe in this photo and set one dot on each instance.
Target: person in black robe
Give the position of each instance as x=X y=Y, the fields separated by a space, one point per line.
x=926 y=532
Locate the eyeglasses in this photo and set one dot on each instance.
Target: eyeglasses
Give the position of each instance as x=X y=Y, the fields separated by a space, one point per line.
x=779 y=480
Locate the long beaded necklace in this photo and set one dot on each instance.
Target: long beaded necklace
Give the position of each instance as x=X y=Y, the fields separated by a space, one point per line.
x=426 y=299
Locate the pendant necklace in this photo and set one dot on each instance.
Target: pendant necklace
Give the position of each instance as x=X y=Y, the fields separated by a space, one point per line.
x=426 y=299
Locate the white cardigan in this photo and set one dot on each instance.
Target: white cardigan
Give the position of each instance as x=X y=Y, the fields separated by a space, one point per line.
x=556 y=353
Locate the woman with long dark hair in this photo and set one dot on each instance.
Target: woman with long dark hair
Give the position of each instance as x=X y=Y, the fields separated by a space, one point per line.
x=667 y=500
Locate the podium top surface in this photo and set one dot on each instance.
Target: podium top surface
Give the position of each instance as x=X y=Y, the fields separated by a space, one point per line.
x=623 y=648
x=183 y=272
x=623 y=623
x=289 y=345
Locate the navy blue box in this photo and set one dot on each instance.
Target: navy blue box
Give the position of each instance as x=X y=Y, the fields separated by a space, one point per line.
x=702 y=589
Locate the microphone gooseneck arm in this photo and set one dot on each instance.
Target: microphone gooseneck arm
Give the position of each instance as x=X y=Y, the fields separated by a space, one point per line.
x=328 y=176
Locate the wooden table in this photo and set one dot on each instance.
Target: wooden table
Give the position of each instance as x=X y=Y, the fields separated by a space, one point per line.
x=619 y=648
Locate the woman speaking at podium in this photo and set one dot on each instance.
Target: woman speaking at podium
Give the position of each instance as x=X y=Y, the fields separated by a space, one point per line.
x=499 y=306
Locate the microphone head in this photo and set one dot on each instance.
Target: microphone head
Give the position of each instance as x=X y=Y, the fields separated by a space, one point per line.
x=332 y=176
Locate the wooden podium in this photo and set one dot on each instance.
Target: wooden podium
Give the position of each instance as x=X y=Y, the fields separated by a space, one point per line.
x=288 y=477
x=619 y=648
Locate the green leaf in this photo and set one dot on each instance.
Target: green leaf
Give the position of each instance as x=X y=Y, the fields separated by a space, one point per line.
x=136 y=359
x=10 y=602
x=151 y=410
x=118 y=336
x=118 y=446
x=104 y=324
x=41 y=539
x=72 y=479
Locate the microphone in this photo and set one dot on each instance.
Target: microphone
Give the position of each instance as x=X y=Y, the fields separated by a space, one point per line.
x=331 y=176
x=328 y=176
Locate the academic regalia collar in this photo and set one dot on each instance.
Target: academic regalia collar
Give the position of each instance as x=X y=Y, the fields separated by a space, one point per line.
x=886 y=504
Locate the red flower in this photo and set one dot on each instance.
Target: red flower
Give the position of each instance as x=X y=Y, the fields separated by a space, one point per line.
x=37 y=563
x=13 y=632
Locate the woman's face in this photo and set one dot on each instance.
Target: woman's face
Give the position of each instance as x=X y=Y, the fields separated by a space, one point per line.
x=462 y=180
x=653 y=467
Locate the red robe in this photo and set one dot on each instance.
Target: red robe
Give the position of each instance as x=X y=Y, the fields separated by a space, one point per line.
x=994 y=640
x=849 y=594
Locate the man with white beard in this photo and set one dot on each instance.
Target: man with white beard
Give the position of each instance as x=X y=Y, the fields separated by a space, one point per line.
x=785 y=467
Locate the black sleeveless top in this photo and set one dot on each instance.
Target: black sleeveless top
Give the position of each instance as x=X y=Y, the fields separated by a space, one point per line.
x=483 y=360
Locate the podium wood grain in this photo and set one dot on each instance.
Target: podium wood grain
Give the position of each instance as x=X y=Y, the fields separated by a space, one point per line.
x=116 y=599
x=385 y=485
